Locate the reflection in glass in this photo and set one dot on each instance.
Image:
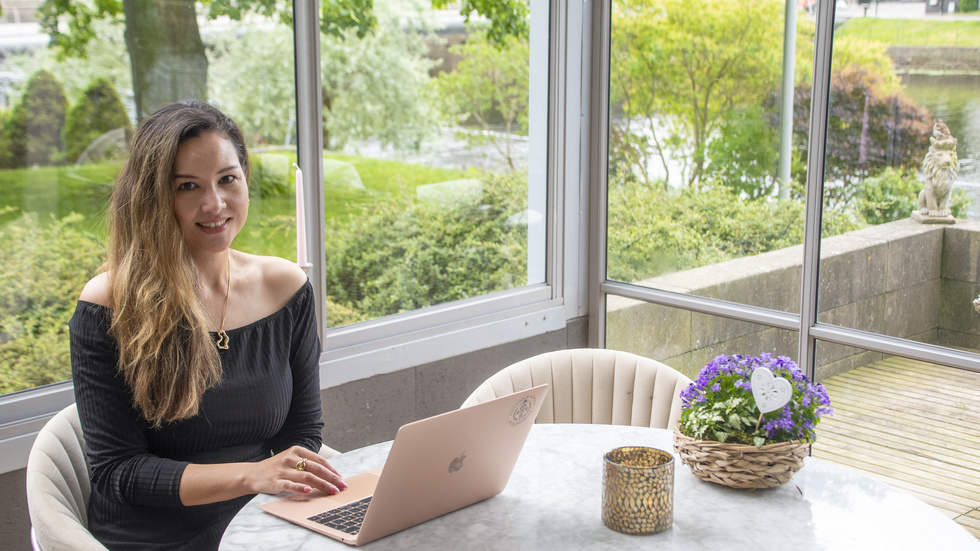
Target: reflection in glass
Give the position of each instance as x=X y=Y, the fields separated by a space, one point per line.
x=686 y=340
x=66 y=125
x=703 y=198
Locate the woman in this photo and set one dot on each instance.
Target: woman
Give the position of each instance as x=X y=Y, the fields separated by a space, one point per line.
x=195 y=365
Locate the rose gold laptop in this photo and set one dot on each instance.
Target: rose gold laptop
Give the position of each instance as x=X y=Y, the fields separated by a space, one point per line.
x=435 y=466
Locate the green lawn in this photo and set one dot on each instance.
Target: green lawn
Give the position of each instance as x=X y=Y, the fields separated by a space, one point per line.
x=270 y=230
x=914 y=32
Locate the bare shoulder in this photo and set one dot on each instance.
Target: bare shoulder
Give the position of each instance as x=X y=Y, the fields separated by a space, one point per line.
x=96 y=290
x=278 y=278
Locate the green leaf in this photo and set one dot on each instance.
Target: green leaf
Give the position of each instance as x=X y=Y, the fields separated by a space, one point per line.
x=735 y=420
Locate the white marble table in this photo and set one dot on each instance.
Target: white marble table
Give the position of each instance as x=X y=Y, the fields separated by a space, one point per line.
x=553 y=502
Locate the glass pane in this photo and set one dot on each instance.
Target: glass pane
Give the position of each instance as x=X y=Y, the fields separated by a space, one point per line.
x=907 y=423
x=706 y=159
x=901 y=163
x=66 y=122
x=686 y=340
x=432 y=194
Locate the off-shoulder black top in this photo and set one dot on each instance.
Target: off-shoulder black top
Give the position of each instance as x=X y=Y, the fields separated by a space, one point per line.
x=268 y=400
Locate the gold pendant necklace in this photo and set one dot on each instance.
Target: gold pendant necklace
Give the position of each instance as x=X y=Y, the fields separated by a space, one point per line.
x=222 y=336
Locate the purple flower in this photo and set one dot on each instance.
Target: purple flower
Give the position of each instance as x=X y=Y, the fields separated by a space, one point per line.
x=723 y=389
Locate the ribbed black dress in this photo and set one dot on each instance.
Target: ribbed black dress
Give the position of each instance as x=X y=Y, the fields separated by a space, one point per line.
x=267 y=401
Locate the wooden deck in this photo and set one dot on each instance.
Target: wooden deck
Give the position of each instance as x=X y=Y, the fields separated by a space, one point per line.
x=912 y=425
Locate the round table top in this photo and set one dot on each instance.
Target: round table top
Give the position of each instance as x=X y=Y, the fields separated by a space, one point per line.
x=553 y=501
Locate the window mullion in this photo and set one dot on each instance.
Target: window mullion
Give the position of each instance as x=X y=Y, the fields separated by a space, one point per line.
x=309 y=143
x=819 y=114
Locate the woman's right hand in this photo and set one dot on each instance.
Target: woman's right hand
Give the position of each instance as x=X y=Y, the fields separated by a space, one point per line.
x=282 y=472
x=211 y=483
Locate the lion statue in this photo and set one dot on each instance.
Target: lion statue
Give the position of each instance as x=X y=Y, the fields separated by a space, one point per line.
x=939 y=170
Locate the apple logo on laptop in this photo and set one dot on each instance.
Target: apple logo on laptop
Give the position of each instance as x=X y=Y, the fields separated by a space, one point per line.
x=457 y=463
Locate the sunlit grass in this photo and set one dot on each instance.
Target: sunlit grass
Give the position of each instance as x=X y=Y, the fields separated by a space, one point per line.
x=270 y=229
x=914 y=32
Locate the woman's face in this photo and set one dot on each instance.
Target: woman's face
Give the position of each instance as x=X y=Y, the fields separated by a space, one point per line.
x=211 y=195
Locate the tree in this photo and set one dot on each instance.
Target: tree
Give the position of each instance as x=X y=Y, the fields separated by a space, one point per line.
x=679 y=67
x=491 y=83
x=32 y=134
x=377 y=86
x=871 y=126
x=374 y=86
x=744 y=154
x=98 y=112
x=167 y=56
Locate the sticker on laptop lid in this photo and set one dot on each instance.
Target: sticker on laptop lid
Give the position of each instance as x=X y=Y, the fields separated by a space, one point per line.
x=522 y=410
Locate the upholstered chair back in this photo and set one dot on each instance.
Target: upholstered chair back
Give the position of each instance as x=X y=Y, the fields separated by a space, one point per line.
x=594 y=386
x=58 y=486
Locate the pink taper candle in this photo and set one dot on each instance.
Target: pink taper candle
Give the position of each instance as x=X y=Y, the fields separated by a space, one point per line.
x=300 y=220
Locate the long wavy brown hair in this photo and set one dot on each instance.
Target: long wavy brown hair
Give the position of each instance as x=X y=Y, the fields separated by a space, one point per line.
x=166 y=355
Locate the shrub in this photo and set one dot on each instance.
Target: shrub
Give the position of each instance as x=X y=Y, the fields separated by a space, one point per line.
x=967 y=6
x=653 y=231
x=894 y=194
x=401 y=254
x=33 y=133
x=45 y=268
x=269 y=173
x=98 y=111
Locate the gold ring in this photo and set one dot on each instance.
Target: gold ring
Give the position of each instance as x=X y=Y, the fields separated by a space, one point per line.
x=301 y=466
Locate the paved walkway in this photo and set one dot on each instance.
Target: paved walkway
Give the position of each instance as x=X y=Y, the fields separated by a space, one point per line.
x=895 y=10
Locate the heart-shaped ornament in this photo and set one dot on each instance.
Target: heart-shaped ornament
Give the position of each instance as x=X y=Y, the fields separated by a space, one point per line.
x=770 y=392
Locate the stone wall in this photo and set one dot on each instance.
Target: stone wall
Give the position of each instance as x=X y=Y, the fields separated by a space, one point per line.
x=901 y=279
x=935 y=58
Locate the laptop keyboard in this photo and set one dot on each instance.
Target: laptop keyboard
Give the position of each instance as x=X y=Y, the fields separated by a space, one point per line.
x=347 y=518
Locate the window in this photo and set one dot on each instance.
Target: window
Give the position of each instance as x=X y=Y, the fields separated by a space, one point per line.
x=65 y=137
x=441 y=244
x=897 y=128
x=430 y=190
x=701 y=156
x=402 y=212
x=737 y=206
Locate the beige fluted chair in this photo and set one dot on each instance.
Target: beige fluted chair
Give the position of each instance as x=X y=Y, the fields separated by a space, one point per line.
x=594 y=386
x=58 y=486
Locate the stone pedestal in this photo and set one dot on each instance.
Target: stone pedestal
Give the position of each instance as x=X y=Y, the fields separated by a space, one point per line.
x=926 y=219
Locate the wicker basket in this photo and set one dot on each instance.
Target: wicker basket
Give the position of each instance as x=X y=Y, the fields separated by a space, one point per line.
x=739 y=465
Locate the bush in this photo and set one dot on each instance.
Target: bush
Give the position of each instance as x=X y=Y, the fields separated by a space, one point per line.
x=270 y=173
x=967 y=6
x=653 y=231
x=894 y=194
x=33 y=133
x=44 y=271
x=98 y=111
x=401 y=254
